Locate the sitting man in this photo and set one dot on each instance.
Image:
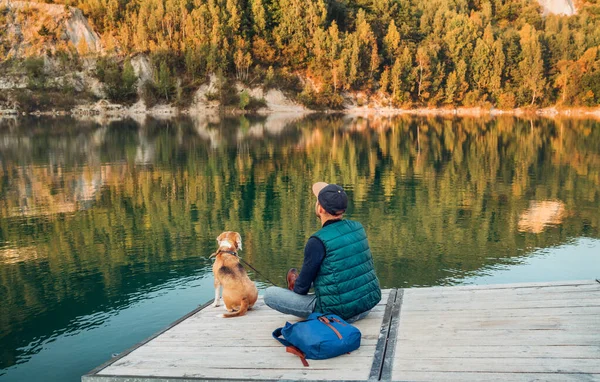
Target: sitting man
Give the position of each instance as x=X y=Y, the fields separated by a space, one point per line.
x=337 y=260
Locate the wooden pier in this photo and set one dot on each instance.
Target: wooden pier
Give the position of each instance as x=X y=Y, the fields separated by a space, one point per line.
x=513 y=332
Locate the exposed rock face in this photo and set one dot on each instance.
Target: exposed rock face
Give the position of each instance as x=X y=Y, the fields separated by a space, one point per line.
x=142 y=67
x=32 y=29
x=79 y=29
x=558 y=7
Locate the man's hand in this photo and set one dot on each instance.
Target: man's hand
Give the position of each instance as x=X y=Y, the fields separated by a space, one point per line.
x=292 y=275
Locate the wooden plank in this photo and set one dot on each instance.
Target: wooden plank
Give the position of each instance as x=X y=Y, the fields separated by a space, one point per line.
x=413 y=305
x=524 y=351
x=266 y=325
x=571 y=327
x=551 y=284
x=469 y=298
x=232 y=373
x=200 y=341
x=258 y=358
x=139 y=364
x=455 y=292
x=494 y=377
x=388 y=362
x=380 y=349
x=530 y=293
x=535 y=322
x=500 y=365
x=534 y=312
x=266 y=313
x=499 y=341
x=562 y=337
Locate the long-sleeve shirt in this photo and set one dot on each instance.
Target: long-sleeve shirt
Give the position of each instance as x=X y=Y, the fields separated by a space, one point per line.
x=314 y=253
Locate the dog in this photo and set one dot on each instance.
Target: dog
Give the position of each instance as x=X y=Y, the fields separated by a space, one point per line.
x=239 y=292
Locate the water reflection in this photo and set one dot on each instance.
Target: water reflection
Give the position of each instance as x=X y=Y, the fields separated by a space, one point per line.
x=97 y=217
x=541 y=215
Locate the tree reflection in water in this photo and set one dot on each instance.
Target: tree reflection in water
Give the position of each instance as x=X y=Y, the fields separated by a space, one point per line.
x=92 y=213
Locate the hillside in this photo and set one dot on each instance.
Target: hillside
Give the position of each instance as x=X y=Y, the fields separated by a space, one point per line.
x=32 y=29
x=324 y=53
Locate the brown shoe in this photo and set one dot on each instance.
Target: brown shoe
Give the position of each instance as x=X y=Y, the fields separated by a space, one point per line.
x=292 y=275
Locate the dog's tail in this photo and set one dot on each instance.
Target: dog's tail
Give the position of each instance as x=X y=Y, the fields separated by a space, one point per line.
x=243 y=309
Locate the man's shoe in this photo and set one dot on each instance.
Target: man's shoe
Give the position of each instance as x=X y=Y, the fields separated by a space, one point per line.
x=292 y=275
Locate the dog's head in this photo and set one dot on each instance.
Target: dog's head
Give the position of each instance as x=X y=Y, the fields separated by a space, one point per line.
x=230 y=240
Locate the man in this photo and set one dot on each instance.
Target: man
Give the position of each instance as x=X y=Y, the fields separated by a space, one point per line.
x=337 y=261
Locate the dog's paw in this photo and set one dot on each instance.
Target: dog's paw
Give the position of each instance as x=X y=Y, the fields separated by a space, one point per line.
x=215 y=304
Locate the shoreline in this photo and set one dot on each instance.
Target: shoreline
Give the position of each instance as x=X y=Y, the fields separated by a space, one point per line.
x=105 y=109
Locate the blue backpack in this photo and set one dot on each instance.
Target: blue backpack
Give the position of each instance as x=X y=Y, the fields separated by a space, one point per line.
x=320 y=336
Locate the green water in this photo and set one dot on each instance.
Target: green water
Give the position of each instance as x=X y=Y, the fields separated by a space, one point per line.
x=106 y=228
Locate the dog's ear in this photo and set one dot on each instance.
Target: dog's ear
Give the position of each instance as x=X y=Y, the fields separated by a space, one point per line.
x=238 y=240
x=221 y=237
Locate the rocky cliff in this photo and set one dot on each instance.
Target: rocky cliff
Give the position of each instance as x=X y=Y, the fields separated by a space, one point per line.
x=34 y=29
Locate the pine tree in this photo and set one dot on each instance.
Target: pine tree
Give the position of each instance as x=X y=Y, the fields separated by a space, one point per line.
x=391 y=42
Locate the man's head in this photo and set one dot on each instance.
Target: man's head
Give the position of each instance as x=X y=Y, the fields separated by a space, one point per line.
x=332 y=200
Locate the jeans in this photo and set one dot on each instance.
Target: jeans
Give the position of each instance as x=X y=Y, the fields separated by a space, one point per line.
x=288 y=302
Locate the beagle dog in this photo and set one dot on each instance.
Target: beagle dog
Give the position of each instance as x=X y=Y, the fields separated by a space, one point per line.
x=239 y=292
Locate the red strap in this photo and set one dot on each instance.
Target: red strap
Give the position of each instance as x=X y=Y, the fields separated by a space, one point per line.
x=294 y=350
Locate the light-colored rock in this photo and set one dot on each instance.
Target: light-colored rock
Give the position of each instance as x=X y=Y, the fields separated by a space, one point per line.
x=79 y=29
x=278 y=102
x=142 y=66
x=558 y=7
x=201 y=101
x=13 y=83
x=257 y=92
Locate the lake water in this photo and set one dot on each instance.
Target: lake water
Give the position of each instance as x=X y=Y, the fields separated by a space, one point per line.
x=106 y=227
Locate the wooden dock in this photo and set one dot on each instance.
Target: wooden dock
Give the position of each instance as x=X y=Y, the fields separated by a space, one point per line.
x=515 y=332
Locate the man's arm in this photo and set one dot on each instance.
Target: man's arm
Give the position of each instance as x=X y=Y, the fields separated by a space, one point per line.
x=314 y=253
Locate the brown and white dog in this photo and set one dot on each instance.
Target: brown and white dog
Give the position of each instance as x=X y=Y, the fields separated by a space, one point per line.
x=239 y=292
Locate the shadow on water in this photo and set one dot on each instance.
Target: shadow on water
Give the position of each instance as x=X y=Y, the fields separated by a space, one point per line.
x=104 y=220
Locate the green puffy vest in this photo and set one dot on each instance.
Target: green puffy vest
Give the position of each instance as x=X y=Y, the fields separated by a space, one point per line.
x=346 y=284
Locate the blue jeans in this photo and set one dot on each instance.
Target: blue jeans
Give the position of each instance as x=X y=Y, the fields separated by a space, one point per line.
x=288 y=302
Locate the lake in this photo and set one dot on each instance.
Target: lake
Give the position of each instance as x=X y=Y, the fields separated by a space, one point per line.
x=106 y=226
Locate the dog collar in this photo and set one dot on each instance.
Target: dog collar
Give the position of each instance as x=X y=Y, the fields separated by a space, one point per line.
x=230 y=252
x=221 y=251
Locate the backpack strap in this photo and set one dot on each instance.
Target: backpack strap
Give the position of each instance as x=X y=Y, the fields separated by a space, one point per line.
x=326 y=321
x=294 y=350
x=277 y=334
x=289 y=347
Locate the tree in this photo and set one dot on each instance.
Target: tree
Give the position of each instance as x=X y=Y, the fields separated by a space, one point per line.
x=402 y=77
x=164 y=82
x=531 y=66
x=391 y=42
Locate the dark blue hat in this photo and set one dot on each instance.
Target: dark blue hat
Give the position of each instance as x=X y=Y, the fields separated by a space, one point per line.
x=331 y=197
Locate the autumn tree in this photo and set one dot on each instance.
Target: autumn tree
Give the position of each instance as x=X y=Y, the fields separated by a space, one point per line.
x=531 y=66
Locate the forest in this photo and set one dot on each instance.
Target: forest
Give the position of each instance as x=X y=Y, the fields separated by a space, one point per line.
x=415 y=51
x=408 y=53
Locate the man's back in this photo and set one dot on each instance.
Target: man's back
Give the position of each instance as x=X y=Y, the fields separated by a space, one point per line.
x=346 y=283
